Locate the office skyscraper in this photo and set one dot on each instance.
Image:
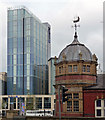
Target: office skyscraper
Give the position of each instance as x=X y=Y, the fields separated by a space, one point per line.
x=28 y=41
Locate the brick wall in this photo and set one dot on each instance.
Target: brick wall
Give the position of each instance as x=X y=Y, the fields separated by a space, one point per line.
x=89 y=97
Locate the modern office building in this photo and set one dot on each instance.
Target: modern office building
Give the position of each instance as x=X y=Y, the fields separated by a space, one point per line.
x=49 y=40
x=28 y=41
x=51 y=78
x=3 y=83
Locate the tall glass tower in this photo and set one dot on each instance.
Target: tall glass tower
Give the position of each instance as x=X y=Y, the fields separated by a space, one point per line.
x=27 y=53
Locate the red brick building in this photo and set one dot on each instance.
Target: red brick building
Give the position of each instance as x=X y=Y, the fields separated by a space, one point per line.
x=76 y=70
x=94 y=98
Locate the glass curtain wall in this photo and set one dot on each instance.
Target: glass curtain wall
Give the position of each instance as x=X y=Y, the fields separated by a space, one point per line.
x=27 y=69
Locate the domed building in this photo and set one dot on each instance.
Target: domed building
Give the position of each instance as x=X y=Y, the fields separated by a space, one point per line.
x=76 y=69
x=76 y=64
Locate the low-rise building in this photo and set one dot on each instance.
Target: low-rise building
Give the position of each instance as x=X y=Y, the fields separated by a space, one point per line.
x=30 y=102
x=3 y=83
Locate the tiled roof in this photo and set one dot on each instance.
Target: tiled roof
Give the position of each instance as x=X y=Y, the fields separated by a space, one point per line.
x=100 y=82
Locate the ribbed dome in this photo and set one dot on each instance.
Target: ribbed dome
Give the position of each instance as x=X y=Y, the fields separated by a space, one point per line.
x=75 y=51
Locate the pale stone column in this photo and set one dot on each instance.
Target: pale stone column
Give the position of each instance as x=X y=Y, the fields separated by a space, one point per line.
x=95 y=109
x=42 y=102
x=9 y=103
x=1 y=102
x=52 y=103
x=34 y=102
x=102 y=109
x=25 y=102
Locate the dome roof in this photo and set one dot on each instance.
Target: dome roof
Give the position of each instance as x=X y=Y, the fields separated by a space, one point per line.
x=75 y=51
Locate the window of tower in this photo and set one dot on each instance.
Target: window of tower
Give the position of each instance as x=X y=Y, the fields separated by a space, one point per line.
x=60 y=69
x=70 y=68
x=88 y=68
x=74 y=68
x=84 y=68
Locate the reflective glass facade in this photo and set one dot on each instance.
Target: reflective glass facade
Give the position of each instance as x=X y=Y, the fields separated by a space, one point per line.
x=27 y=53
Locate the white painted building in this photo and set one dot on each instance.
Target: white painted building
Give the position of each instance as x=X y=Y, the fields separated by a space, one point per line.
x=31 y=102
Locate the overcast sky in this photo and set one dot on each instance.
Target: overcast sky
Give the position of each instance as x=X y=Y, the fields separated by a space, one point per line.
x=59 y=14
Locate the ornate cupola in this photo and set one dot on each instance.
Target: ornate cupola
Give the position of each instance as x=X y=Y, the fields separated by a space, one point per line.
x=75 y=69
x=75 y=62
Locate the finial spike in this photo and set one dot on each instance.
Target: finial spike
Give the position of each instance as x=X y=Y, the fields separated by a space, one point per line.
x=75 y=26
x=75 y=30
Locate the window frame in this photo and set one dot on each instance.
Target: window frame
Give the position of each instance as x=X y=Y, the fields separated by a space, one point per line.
x=75 y=95
x=69 y=96
x=75 y=68
x=88 y=68
x=60 y=69
x=84 y=68
x=101 y=107
x=70 y=67
x=75 y=108
x=69 y=106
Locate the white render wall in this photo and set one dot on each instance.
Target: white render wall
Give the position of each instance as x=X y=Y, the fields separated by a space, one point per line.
x=27 y=96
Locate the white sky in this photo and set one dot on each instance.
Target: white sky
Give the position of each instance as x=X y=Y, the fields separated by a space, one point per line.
x=59 y=14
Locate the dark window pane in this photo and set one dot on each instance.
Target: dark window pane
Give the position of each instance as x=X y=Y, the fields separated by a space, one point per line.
x=76 y=106
x=74 y=68
x=88 y=68
x=38 y=103
x=70 y=68
x=76 y=96
x=59 y=69
x=29 y=103
x=98 y=103
x=69 y=96
x=84 y=68
x=47 y=103
x=98 y=112
x=69 y=106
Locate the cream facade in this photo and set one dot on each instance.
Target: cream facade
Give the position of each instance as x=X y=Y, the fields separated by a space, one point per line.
x=31 y=102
